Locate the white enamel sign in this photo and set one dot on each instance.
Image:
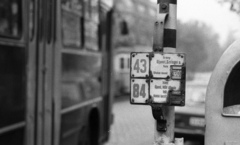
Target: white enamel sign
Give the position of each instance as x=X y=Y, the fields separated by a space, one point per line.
x=139 y=64
x=139 y=91
x=161 y=64
x=159 y=89
x=157 y=78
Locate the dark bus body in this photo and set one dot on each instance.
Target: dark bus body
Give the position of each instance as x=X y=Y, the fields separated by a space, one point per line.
x=55 y=72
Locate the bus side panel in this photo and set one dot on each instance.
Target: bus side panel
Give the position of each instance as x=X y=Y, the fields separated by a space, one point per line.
x=80 y=91
x=106 y=38
x=84 y=107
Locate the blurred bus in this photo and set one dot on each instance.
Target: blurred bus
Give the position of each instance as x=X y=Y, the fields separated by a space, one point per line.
x=122 y=71
x=133 y=32
x=122 y=68
x=55 y=74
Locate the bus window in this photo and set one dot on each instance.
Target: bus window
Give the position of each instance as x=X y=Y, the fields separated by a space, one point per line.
x=31 y=19
x=71 y=22
x=91 y=22
x=10 y=18
x=80 y=78
x=231 y=104
x=12 y=98
x=124 y=28
x=122 y=63
x=49 y=18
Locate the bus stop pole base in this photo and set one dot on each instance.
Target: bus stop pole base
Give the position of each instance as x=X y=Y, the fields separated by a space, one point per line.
x=165 y=137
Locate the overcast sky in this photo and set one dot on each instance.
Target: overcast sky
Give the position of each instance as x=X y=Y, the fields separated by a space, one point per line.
x=212 y=13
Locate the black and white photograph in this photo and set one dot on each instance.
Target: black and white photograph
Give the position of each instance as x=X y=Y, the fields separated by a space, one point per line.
x=119 y=72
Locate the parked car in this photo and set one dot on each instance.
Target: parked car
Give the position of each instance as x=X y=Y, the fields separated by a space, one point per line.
x=190 y=119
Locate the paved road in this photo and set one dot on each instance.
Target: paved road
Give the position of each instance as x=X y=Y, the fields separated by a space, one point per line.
x=133 y=124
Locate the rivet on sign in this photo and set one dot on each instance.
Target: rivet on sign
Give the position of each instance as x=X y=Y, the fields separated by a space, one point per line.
x=151 y=80
x=147 y=55
x=132 y=80
x=132 y=75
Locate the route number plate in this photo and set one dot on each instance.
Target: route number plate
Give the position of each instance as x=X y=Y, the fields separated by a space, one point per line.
x=157 y=78
x=139 y=91
x=139 y=65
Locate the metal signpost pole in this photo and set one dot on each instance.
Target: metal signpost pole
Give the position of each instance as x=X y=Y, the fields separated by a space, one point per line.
x=165 y=41
x=158 y=78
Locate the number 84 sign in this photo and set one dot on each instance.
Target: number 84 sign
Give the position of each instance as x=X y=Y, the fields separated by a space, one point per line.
x=139 y=91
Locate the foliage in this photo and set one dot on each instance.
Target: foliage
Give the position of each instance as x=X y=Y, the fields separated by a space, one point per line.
x=139 y=16
x=196 y=39
x=200 y=44
x=234 y=5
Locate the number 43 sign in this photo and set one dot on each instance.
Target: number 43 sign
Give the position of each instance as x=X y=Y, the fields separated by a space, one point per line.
x=157 y=78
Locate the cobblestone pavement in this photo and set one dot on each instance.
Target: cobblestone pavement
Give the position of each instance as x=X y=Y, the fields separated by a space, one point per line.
x=133 y=124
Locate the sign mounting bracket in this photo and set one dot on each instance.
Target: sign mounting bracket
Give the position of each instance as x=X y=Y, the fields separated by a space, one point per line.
x=158 y=38
x=159 y=117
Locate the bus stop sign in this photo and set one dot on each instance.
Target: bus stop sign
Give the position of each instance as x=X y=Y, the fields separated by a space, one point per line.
x=157 y=78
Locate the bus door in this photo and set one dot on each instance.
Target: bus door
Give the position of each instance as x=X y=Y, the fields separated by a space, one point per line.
x=83 y=54
x=108 y=75
x=40 y=112
x=223 y=100
x=12 y=72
